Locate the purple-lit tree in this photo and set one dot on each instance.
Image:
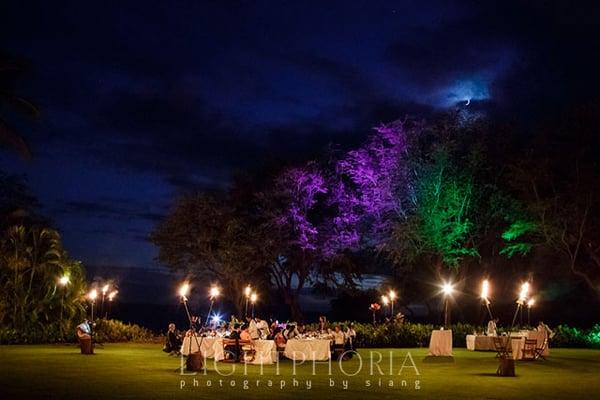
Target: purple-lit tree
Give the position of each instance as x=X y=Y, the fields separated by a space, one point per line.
x=289 y=211
x=376 y=186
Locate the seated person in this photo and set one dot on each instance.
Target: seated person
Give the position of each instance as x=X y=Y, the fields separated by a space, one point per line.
x=234 y=350
x=84 y=330
x=245 y=333
x=173 y=341
x=279 y=339
x=290 y=332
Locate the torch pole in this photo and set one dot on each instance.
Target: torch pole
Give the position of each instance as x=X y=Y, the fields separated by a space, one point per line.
x=515 y=316
x=212 y=302
x=446 y=312
x=487 y=306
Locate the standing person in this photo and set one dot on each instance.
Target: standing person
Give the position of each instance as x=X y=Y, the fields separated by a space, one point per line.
x=339 y=339
x=252 y=328
x=350 y=338
x=491 y=327
x=322 y=324
x=263 y=329
x=542 y=327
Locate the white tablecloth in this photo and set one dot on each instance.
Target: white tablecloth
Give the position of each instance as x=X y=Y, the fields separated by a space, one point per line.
x=208 y=346
x=480 y=343
x=308 y=349
x=440 y=343
x=266 y=351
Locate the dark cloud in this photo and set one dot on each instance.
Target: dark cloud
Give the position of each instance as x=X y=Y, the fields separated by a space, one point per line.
x=141 y=101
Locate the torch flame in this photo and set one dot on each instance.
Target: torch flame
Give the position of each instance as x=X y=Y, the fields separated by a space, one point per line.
x=105 y=289
x=392 y=295
x=385 y=300
x=253 y=298
x=214 y=292
x=485 y=289
x=524 y=292
x=112 y=295
x=93 y=294
x=531 y=302
x=184 y=289
x=447 y=288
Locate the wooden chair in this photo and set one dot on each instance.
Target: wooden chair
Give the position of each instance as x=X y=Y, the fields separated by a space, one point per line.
x=501 y=345
x=529 y=349
x=248 y=350
x=244 y=350
x=539 y=350
x=506 y=366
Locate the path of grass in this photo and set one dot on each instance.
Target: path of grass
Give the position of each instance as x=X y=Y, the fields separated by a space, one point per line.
x=144 y=372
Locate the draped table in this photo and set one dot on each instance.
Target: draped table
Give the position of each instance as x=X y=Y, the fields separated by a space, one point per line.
x=208 y=345
x=440 y=343
x=308 y=349
x=480 y=343
x=212 y=347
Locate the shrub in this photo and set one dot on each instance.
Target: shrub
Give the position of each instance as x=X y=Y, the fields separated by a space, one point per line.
x=111 y=330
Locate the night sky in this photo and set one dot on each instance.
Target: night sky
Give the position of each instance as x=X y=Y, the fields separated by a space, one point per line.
x=143 y=100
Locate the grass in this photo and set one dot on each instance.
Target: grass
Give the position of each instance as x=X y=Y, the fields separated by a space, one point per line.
x=142 y=371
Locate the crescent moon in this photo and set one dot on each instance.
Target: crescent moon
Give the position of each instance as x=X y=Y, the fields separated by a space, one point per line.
x=468 y=102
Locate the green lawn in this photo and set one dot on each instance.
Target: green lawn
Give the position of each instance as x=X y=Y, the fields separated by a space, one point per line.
x=144 y=372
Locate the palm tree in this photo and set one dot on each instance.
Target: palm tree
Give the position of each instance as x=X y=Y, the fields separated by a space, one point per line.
x=10 y=72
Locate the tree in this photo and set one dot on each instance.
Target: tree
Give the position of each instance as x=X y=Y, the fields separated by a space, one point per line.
x=207 y=237
x=31 y=260
x=288 y=212
x=373 y=189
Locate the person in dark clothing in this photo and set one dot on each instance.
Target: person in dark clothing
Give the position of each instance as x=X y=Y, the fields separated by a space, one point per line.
x=173 y=341
x=234 y=349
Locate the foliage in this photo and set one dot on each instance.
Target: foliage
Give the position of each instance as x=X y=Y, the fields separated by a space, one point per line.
x=110 y=330
x=106 y=331
x=31 y=261
x=566 y=336
x=209 y=238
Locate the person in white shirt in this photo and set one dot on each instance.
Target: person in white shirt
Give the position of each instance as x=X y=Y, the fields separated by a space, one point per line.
x=491 y=327
x=84 y=330
x=350 y=337
x=542 y=327
x=252 y=329
x=339 y=340
x=263 y=329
